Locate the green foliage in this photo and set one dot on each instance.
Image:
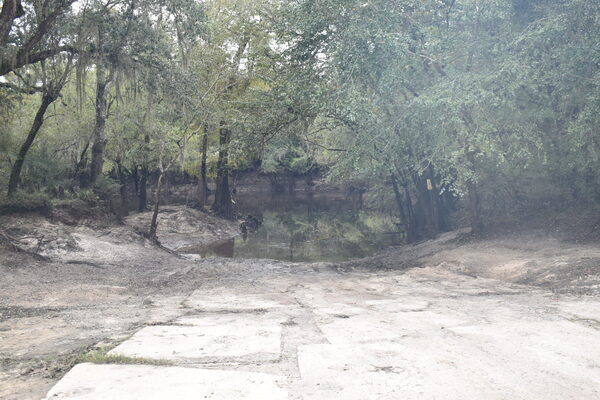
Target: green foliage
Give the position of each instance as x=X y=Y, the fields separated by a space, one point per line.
x=25 y=202
x=287 y=157
x=487 y=96
x=105 y=188
x=479 y=90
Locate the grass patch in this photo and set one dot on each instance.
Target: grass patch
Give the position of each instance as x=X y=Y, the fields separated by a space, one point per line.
x=58 y=367
x=101 y=357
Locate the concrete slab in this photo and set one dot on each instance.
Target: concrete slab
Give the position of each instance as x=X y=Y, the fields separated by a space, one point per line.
x=238 y=302
x=359 y=328
x=372 y=326
x=402 y=304
x=339 y=310
x=448 y=367
x=135 y=382
x=582 y=310
x=568 y=353
x=356 y=340
x=211 y=338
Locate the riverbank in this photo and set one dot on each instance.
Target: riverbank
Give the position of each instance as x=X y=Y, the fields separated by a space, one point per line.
x=70 y=289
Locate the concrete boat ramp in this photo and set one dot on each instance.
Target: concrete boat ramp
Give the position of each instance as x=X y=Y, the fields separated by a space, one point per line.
x=421 y=334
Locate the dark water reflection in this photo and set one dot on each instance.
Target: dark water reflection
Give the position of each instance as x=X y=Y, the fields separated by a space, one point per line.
x=308 y=228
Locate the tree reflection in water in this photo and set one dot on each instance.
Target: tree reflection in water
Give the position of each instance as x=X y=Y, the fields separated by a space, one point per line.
x=308 y=228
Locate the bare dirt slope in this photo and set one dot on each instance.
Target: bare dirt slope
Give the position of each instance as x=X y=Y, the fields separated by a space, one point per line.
x=532 y=258
x=181 y=227
x=65 y=288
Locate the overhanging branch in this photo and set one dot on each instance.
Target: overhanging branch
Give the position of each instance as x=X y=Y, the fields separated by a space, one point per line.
x=21 y=59
x=23 y=90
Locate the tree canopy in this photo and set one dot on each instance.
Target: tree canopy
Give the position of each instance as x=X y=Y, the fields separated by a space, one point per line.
x=433 y=104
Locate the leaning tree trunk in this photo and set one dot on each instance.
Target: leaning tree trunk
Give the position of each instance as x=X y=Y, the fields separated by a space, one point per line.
x=159 y=185
x=15 y=172
x=154 y=222
x=97 y=163
x=223 y=204
x=81 y=174
x=203 y=180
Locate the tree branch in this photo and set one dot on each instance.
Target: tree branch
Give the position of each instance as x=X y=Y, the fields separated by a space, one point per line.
x=22 y=59
x=44 y=27
x=11 y=10
x=22 y=90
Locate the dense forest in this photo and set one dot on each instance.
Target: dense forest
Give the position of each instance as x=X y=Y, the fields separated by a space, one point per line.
x=433 y=105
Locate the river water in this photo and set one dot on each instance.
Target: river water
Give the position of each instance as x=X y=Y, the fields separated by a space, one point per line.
x=308 y=228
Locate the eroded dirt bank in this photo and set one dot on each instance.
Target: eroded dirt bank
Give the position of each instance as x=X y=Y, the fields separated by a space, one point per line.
x=77 y=286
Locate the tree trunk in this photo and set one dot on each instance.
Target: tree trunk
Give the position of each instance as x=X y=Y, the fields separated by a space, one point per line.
x=222 y=204
x=26 y=52
x=136 y=180
x=438 y=212
x=474 y=201
x=154 y=222
x=142 y=195
x=97 y=163
x=203 y=181
x=81 y=173
x=15 y=172
x=445 y=206
x=159 y=185
x=123 y=190
x=410 y=212
x=166 y=191
x=424 y=206
x=474 y=208
x=404 y=211
x=11 y=10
